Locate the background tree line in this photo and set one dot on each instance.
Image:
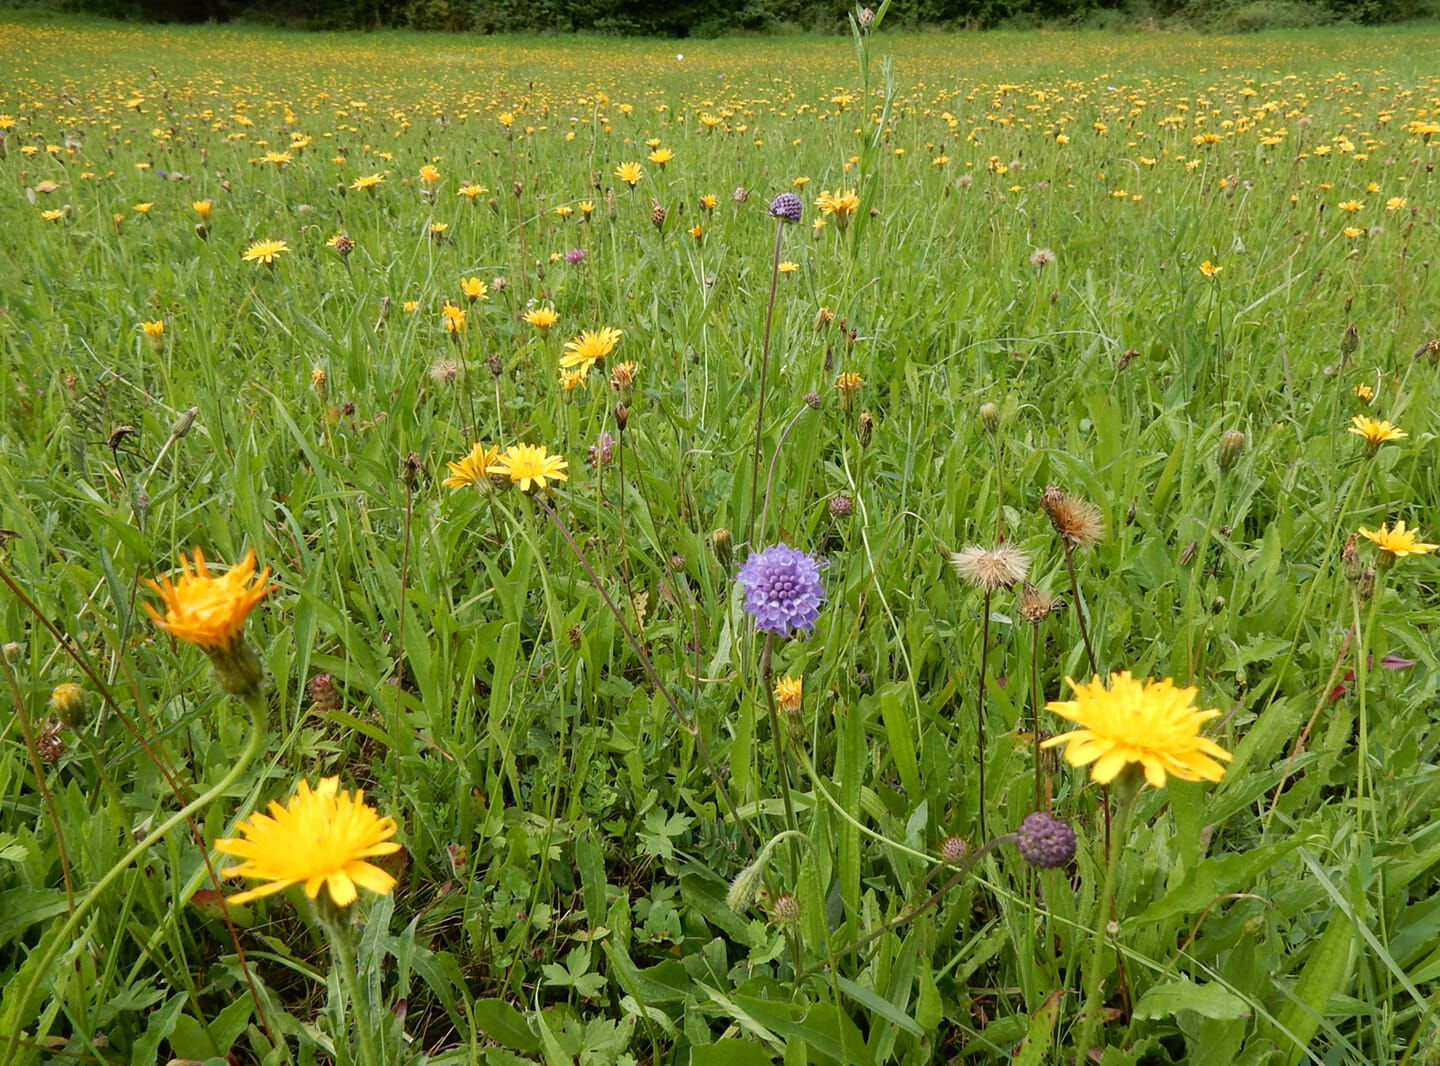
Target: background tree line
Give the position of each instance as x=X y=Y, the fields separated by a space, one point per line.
x=709 y=18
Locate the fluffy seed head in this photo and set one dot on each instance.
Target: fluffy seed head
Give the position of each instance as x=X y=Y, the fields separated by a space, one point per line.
x=989 y=569
x=1078 y=522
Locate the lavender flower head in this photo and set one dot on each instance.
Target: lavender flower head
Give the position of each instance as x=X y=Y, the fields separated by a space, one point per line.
x=787 y=206
x=782 y=589
x=575 y=255
x=602 y=450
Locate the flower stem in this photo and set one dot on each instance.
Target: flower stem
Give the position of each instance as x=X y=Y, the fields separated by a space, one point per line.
x=1079 y=605
x=764 y=366
x=980 y=703
x=342 y=948
x=775 y=739
x=1037 y=701
x=16 y=1013
x=1127 y=791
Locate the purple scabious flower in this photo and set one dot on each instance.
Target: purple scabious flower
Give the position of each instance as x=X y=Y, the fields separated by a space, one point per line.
x=574 y=255
x=787 y=206
x=782 y=589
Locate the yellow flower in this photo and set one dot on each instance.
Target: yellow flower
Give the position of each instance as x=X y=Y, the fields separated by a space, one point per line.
x=788 y=691
x=530 y=464
x=541 y=318
x=410 y=306
x=1152 y=723
x=629 y=173
x=1209 y=269
x=708 y=201
x=202 y=208
x=1398 y=542
x=143 y=209
x=154 y=330
x=564 y=210
x=1395 y=203
x=206 y=611
x=800 y=182
x=367 y=182
x=277 y=158
x=1375 y=431
x=321 y=838
x=453 y=316
x=265 y=252
x=848 y=382
x=570 y=380
x=67 y=699
x=505 y=118
x=841 y=205
x=473 y=469
x=660 y=157
x=470 y=190
x=590 y=347
x=697 y=231
x=586 y=209
x=473 y=288
x=1364 y=393
x=1352 y=232
x=437 y=230
x=53 y=215
x=788 y=267
x=1351 y=205
x=429 y=174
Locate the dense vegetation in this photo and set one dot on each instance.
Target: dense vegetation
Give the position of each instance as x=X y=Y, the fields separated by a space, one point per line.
x=1047 y=356
x=709 y=18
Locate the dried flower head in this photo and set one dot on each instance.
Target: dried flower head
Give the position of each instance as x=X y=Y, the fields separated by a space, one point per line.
x=1078 y=522
x=989 y=569
x=1036 y=604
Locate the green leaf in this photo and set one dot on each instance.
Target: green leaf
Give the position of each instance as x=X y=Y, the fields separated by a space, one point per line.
x=1212 y=1000
x=731 y=1051
x=1212 y=878
x=158 y=1027
x=879 y=1005
x=504 y=1024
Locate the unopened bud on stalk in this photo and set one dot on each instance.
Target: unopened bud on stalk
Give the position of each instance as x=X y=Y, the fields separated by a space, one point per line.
x=410 y=468
x=183 y=424
x=723 y=546
x=990 y=417
x=69 y=702
x=1349 y=340
x=865 y=428
x=622 y=417
x=1232 y=445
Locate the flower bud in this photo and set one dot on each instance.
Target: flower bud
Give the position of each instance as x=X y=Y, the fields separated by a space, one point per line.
x=721 y=543
x=990 y=417
x=865 y=428
x=841 y=506
x=1232 y=445
x=1045 y=841
x=13 y=650
x=785 y=909
x=953 y=850
x=69 y=702
x=1349 y=340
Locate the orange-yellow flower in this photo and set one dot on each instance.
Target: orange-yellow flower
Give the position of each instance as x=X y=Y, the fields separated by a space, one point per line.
x=321 y=838
x=530 y=465
x=209 y=611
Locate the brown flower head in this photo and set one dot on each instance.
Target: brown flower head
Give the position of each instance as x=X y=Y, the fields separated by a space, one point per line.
x=1078 y=522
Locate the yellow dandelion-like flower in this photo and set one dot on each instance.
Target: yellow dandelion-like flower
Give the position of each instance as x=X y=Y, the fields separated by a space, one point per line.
x=473 y=469
x=1150 y=723
x=202 y=208
x=788 y=267
x=1375 y=431
x=660 y=157
x=429 y=174
x=474 y=289
x=788 y=692
x=368 y=182
x=848 y=382
x=530 y=465
x=570 y=380
x=278 y=159
x=1398 y=542
x=629 y=173
x=453 y=317
x=154 y=330
x=840 y=205
x=1351 y=206
x=321 y=838
x=708 y=201
x=542 y=318
x=210 y=611
x=143 y=209
x=1209 y=269
x=590 y=347
x=265 y=252
x=1364 y=393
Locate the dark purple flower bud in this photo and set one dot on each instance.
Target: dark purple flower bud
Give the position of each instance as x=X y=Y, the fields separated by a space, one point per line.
x=1045 y=840
x=787 y=206
x=783 y=590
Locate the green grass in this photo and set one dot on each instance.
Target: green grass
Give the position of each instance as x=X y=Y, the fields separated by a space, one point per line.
x=567 y=849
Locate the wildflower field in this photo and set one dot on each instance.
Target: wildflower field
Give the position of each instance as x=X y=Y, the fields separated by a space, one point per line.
x=862 y=550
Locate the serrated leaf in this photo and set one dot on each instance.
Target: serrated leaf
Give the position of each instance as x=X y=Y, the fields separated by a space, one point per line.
x=1210 y=999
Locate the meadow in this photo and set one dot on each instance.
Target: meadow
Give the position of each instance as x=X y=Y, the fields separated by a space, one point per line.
x=1088 y=381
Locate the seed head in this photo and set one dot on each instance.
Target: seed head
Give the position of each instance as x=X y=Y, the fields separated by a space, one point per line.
x=785 y=909
x=990 y=569
x=1035 y=604
x=953 y=850
x=1078 y=522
